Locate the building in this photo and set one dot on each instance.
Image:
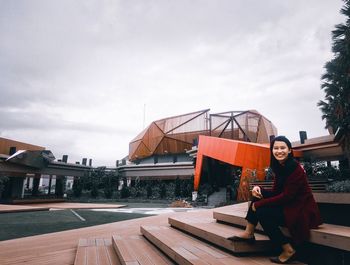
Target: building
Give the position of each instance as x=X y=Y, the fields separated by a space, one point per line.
x=162 y=150
x=28 y=166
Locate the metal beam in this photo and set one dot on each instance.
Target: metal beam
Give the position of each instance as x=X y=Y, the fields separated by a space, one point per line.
x=54 y=168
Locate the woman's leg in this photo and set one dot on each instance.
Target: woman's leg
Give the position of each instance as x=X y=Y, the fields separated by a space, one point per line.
x=271 y=218
x=252 y=221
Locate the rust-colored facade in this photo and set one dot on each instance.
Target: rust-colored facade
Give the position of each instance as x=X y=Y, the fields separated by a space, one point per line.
x=7 y=144
x=178 y=134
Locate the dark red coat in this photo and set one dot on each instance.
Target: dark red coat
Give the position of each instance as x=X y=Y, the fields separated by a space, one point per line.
x=300 y=209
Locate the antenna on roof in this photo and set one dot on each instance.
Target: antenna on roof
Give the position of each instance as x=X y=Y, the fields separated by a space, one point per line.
x=144 y=115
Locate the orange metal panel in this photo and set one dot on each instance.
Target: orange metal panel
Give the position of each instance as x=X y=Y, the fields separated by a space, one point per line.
x=253 y=158
x=249 y=156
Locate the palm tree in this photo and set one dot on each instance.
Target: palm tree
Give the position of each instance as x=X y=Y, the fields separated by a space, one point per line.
x=336 y=83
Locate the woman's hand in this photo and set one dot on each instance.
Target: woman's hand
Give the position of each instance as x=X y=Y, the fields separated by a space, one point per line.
x=253 y=208
x=256 y=192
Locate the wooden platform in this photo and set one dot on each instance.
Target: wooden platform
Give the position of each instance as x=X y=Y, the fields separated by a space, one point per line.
x=184 y=249
x=96 y=251
x=205 y=227
x=137 y=250
x=38 y=200
x=60 y=248
x=327 y=234
x=131 y=248
x=8 y=208
x=75 y=205
x=315 y=185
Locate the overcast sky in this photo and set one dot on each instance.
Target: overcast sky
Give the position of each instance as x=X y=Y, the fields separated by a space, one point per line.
x=78 y=76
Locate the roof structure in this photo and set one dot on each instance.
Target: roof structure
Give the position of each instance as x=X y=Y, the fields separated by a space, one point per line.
x=179 y=133
x=8 y=146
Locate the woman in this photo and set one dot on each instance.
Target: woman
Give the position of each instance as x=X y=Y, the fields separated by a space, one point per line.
x=290 y=203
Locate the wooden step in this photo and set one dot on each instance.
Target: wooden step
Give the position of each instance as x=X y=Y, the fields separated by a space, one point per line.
x=330 y=235
x=218 y=234
x=233 y=214
x=136 y=250
x=184 y=249
x=95 y=251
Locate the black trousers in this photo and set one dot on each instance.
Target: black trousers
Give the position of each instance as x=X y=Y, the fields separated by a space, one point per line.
x=270 y=218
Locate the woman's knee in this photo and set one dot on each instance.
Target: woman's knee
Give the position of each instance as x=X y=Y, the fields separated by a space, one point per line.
x=264 y=213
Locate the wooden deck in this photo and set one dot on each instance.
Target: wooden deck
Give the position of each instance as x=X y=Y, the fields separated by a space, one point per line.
x=97 y=251
x=8 y=208
x=137 y=250
x=206 y=228
x=60 y=248
x=184 y=249
x=335 y=236
x=96 y=243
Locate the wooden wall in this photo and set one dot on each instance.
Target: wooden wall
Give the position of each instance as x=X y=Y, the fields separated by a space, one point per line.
x=6 y=144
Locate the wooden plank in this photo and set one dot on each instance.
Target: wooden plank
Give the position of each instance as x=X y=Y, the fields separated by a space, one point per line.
x=95 y=251
x=111 y=253
x=315 y=185
x=60 y=248
x=335 y=236
x=218 y=234
x=122 y=251
x=102 y=254
x=91 y=255
x=80 y=258
x=140 y=250
x=184 y=249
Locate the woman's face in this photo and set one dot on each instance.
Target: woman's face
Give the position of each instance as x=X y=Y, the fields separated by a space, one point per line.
x=280 y=151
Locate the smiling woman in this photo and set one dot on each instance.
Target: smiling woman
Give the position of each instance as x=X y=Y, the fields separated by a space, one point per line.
x=289 y=203
x=281 y=151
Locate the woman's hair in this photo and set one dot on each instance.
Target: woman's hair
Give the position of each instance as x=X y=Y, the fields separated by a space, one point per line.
x=274 y=164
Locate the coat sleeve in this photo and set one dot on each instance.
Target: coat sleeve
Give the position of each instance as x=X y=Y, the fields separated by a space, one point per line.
x=290 y=191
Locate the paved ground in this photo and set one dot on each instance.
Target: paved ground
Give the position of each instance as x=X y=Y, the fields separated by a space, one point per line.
x=8 y=208
x=148 y=211
x=24 y=220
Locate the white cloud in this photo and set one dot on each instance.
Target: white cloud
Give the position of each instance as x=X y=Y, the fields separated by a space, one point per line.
x=76 y=75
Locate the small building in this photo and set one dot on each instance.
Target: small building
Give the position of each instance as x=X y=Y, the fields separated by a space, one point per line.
x=31 y=167
x=163 y=149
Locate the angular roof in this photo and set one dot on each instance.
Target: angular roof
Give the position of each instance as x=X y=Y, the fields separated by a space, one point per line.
x=177 y=134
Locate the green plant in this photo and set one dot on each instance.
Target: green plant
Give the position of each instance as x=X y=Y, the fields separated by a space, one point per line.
x=335 y=82
x=125 y=192
x=186 y=188
x=177 y=191
x=320 y=170
x=149 y=190
x=94 y=191
x=77 y=187
x=109 y=181
x=162 y=190
x=3 y=180
x=339 y=186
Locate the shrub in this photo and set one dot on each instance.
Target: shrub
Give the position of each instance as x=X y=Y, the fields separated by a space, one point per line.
x=320 y=170
x=125 y=192
x=339 y=186
x=108 y=192
x=94 y=191
x=162 y=190
x=177 y=191
x=3 y=180
x=77 y=187
x=149 y=190
x=187 y=188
